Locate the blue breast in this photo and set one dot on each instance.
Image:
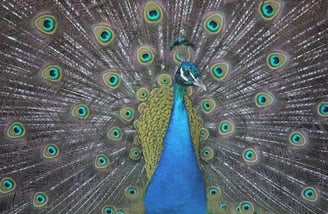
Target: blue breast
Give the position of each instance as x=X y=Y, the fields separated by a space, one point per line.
x=177 y=185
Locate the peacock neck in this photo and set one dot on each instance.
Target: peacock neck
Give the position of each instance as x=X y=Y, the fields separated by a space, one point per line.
x=179 y=92
x=177 y=185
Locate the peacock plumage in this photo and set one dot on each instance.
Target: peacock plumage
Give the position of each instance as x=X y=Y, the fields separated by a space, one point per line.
x=121 y=107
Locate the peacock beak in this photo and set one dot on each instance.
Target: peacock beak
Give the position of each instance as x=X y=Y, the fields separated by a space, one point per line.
x=198 y=82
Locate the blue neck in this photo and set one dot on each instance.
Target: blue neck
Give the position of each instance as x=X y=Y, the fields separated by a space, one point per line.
x=177 y=185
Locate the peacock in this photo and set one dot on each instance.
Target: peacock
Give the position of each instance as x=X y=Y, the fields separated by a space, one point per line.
x=155 y=106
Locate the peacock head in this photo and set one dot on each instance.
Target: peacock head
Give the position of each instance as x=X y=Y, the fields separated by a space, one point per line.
x=188 y=74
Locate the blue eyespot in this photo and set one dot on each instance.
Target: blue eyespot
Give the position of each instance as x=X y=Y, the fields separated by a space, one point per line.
x=145 y=55
x=7 y=185
x=226 y=127
x=213 y=23
x=310 y=194
x=46 y=24
x=263 y=99
x=219 y=71
x=250 y=156
x=208 y=105
x=132 y=192
x=50 y=151
x=40 y=199
x=206 y=153
x=297 y=138
x=103 y=34
x=15 y=130
x=269 y=9
x=213 y=193
x=115 y=133
x=101 y=161
x=276 y=60
x=135 y=154
x=127 y=113
x=153 y=12
x=80 y=111
x=322 y=109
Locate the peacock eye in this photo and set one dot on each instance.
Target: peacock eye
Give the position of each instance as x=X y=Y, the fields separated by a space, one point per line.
x=115 y=133
x=153 y=13
x=50 y=151
x=108 y=209
x=40 y=199
x=101 y=161
x=310 y=194
x=133 y=193
x=186 y=73
x=80 y=111
x=7 y=185
x=103 y=34
x=15 y=130
x=246 y=207
x=46 y=24
x=213 y=193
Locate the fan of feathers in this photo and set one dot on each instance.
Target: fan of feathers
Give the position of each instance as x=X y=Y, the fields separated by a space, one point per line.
x=86 y=95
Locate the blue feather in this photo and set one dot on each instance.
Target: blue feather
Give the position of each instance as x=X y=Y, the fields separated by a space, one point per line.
x=91 y=122
x=177 y=185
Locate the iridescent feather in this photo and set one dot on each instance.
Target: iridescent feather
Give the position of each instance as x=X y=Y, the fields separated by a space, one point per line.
x=97 y=95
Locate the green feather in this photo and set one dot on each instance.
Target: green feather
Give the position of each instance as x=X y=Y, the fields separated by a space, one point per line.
x=86 y=93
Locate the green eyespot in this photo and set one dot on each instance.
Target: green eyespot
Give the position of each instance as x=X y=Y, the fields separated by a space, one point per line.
x=120 y=212
x=310 y=194
x=219 y=71
x=51 y=73
x=50 y=151
x=207 y=153
x=208 y=105
x=142 y=94
x=213 y=23
x=7 y=185
x=263 y=99
x=127 y=113
x=297 y=138
x=246 y=207
x=276 y=60
x=250 y=156
x=269 y=9
x=80 y=111
x=145 y=55
x=236 y=208
x=213 y=193
x=223 y=206
x=164 y=80
x=322 y=109
x=133 y=193
x=180 y=54
x=103 y=34
x=15 y=130
x=153 y=13
x=226 y=127
x=108 y=209
x=112 y=80
x=115 y=134
x=204 y=134
x=135 y=154
x=40 y=199
x=101 y=161
x=46 y=24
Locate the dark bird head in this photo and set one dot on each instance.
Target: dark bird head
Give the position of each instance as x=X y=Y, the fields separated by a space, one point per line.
x=188 y=74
